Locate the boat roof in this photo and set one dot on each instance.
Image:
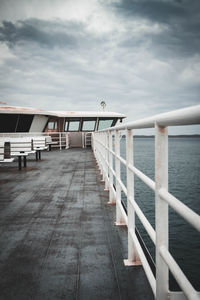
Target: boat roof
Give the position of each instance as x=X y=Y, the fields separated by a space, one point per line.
x=75 y=114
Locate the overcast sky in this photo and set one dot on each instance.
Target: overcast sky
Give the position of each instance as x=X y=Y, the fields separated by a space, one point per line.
x=142 y=57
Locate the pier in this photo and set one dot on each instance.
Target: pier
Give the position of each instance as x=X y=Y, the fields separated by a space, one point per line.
x=58 y=239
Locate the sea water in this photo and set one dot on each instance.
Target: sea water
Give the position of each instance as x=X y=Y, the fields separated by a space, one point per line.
x=184 y=184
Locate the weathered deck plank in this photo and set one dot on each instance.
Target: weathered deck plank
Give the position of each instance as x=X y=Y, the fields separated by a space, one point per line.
x=57 y=234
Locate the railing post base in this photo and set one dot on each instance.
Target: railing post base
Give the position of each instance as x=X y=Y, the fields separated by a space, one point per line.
x=129 y=263
x=111 y=202
x=120 y=223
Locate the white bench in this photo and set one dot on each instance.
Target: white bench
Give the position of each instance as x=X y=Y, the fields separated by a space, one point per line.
x=19 y=147
x=39 y=144
x=22 y=147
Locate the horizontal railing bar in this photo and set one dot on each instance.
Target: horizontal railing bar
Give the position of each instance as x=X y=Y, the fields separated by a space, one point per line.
x=100 y=142
x=141 y=216
x=188 y=214
x=111 y=151
x=121 y=159
x=185 y=116
x=180 y=277
x=118 y=156
x=113 y=171
x=144 y=221
x=143 y=177
x=145 y=263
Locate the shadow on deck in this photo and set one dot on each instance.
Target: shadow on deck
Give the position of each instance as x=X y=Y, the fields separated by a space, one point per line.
x=57 y=233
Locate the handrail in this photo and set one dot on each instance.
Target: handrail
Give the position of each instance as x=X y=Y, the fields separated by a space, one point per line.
x=188 y=214
x=184 y=116
x=102 y=143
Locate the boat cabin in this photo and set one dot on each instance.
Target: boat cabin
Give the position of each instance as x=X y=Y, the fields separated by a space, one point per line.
x=78 y=126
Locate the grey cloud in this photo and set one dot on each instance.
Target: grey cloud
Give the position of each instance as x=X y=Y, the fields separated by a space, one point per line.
x=41 y=32
x=176 y=44
x=49 y=34
x=65 y=65
x=155 y=10
x=181 y=20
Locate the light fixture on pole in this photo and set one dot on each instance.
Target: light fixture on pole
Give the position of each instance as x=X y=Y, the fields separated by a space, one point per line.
x=103 y=105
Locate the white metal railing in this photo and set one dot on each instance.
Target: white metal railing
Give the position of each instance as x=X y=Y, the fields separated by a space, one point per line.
x=102 y=143
x=60 y=139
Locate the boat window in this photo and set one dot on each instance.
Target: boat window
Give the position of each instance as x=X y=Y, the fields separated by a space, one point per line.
x=52 y=125
x=8 y=122
x=66 y=125
x=88 y=125
x=15 y=122
x=73 y=125
x=24 y=123
x=104 y=124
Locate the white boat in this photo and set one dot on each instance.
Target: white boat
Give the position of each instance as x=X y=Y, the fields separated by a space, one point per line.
x=79 y=212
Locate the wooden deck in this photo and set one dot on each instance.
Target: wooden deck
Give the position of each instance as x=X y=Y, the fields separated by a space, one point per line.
x=57 y=234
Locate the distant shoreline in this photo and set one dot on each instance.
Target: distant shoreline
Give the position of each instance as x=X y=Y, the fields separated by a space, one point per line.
x=170 y=136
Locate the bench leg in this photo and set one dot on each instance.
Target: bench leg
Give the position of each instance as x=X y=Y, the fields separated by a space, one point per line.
x=24 y=161
x=39 y=155
x=36 y=155
x=19 y=162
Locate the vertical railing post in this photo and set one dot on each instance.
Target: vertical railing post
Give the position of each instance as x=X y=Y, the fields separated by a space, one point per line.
x=99 y=153
x=97 y=149
x=133 y=258
x=67 y=140
x=101 y=156
x=83 y=140
x=104 y=156
x=161 y=210
x=119 y=217
x=60 y=140
x=111 y=195
x=106 y=143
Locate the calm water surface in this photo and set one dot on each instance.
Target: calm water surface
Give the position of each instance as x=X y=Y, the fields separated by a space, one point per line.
x=184 y=183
